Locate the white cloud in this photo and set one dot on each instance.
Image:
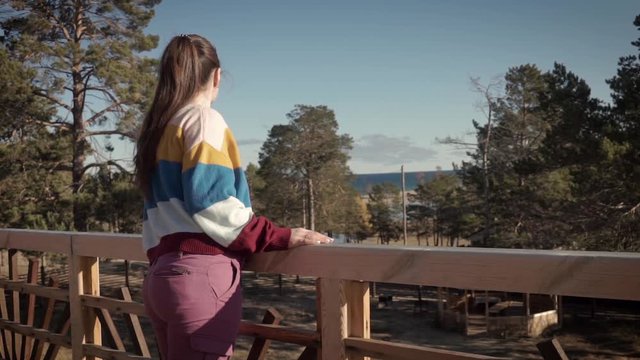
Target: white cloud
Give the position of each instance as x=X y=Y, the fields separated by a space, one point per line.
x=251 y=141
x=386 y=150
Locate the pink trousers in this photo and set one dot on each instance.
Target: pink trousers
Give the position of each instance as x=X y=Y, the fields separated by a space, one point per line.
x=195 y=305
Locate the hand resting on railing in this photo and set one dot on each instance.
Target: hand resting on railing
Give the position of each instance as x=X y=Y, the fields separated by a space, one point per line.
x=302 y=236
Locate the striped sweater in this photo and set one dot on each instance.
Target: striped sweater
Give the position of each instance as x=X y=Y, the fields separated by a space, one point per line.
x=199 y=199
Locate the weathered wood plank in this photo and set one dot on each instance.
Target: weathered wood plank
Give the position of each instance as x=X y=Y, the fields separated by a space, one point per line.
x=106 y=245
x=116 y=306
x=133 y=324
x=46 y=321
x=388 y=350
x=38 y=240
x=37 y=290
x=358 y=311
x=63 y=329
x=92 y=350
x=113 y=339
x=32 y=278
x=84 y=278
x=551 y=350
x=7 y=341
x=260 y=344
x=280 y=333
x=333 y=311
x=41 y=334
x=575 y=273
x=15 y=304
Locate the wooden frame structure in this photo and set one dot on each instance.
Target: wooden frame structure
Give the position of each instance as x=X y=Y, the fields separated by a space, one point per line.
x=343 y=273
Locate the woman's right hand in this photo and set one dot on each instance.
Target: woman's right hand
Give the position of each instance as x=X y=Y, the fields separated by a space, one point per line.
x=302 y=236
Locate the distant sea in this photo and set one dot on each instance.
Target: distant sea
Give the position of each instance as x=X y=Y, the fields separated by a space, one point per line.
x=365 y=182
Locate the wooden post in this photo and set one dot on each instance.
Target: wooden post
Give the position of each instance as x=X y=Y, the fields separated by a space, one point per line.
x=560 y=310
x=135 y=330
x=332 y=319
x=551 y=350
x=486 y=309
x=358 y=312
x=260 y=345
x=440 y=307
x=32 y=278
x=84 y=278
x=466 y=313
x=15 y=304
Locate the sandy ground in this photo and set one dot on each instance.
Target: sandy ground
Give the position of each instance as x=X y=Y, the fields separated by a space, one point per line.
x=607 y=336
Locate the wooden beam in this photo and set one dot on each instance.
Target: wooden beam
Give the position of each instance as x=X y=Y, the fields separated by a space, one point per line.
x=46 y=321
x=105 y=245
x=551 y=350
x=388 y=350
x=7 y=341
x=111 y=354
x=37 y=290
x=40 y=334
x=358 y=311
x=571 y=273
x=133 y=324
x=15 y=304
x=63 y=329
x=261 y=344
x=575 y=273
x=32 y=277
x=333 y=311
x=107 y=322
x=37 y=240
x=84 y=278
x=116 y=306
x=280 y=333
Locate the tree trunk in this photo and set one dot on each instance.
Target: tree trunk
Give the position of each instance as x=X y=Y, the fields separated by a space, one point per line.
x=80 y=144
x=485 y=181
x=311 y=204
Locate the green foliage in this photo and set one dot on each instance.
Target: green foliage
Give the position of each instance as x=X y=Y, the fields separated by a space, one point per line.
x=303 y=179
x=446 y=209
x=563 y=167
x=82 y=60
x=385 y=210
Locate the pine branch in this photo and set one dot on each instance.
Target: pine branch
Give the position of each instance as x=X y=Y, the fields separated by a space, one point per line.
x=108 y=162
x=109 y=108
x=52 y=99
x=108 y=132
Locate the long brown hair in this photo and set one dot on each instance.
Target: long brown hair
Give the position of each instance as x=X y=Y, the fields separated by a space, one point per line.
x=185 y=69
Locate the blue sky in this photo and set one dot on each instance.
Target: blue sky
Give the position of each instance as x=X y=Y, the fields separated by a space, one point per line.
x=395 y=72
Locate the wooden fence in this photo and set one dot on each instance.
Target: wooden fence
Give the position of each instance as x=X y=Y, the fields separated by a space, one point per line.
x=342 y=272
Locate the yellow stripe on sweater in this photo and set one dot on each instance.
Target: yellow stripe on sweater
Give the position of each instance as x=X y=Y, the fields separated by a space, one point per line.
x=170 y=145
x=204 y=153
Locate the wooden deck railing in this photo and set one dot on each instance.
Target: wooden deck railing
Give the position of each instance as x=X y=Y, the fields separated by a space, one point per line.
x=342 y=272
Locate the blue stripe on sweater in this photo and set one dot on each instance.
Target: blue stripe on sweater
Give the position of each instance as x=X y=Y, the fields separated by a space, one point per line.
x=206 y=184
x=166 y=182
x=242 y=187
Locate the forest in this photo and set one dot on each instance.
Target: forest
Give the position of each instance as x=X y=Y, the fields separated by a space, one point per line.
x=550 y=167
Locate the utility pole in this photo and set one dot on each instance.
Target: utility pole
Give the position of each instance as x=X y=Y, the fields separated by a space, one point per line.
x=404 y=207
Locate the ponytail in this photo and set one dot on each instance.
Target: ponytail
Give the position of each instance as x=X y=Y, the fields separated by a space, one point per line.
x=185 y=68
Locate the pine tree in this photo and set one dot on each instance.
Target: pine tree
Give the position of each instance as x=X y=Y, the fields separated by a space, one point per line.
x=85 y=59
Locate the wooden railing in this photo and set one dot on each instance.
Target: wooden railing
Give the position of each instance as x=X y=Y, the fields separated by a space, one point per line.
x=342 y=272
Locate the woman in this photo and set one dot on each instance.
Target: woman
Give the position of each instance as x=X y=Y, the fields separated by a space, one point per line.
x=198 y=223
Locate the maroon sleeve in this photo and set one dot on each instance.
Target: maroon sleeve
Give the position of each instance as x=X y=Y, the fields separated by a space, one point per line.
x=259 y=235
